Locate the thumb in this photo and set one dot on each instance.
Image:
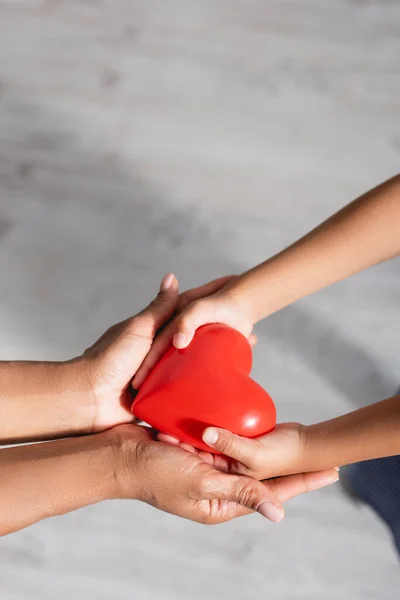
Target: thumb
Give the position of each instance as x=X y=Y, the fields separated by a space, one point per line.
x=142 y=328
x=191 y=318
x=242 y=449
x=247 y=492
x=157 y=313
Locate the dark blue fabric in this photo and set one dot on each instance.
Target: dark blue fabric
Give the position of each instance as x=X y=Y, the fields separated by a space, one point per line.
x=377 y=482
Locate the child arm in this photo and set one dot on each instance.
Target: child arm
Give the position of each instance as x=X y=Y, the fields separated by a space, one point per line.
x=364 y=233
x=364 y=434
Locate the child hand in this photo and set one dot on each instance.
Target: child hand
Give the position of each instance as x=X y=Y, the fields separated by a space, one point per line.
x=209 y=303
x=279 y=454
x=221 y=307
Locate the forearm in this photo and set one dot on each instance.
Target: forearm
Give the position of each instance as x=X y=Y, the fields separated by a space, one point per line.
x=362 y=234
x=43 y=400
x=367 y=433
x=54 y=478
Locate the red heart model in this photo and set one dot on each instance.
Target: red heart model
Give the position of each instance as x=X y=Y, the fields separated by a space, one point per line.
x=206 y=384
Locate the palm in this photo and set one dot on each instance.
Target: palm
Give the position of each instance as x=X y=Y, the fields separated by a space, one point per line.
x=116 y=357
x=118 y=354
x=178 y=475
x=267 y=449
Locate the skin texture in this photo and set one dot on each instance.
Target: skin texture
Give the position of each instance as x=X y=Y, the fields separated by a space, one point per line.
x=364 y=233
x=53 y=478
x=109 y=456
x=294 y=448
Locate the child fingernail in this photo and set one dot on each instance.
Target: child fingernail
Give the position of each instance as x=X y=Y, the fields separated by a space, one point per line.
x=337 y=469
x=271 y=511
x=180 y=340
x=167 y=282
x=210 y=437
x=323 y=481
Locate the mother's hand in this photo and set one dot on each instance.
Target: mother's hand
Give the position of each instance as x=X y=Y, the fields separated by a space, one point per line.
x=113 y=360
x=185 y=483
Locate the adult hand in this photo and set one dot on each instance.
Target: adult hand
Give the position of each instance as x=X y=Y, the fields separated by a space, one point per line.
x=114 y=359
x=186 y=483
x=49 y=400
x=280 y=452
x=200 y=296
x=45 y=480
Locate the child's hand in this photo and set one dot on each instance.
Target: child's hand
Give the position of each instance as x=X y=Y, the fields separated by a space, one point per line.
x=209 y=303
x=278 y=454
x=281 y=452
x=220 y=307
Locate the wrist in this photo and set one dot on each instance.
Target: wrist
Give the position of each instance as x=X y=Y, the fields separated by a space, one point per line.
x=108 y=455
x=73 y=388
x=126 y=452
x=54 y=478
x=237 y=299
x=239 y=293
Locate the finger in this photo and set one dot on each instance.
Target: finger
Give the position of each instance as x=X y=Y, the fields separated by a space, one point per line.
x=285 y=488
x=247 y=492
x=168 y=439
x=163 y=306
x=252 y=339
x=188 y=448
x=197 y=314
x=222 y=463
x=244 y=450
x=203 y=290
x=206 y=457
x=152 y=318
x=164 y=339
x=157 y=351
x=172 y=441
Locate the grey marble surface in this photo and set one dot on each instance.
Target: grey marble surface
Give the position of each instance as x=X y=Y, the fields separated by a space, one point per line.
x=140 y=137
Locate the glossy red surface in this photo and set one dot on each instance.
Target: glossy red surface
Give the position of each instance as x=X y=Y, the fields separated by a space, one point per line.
x=206 y=384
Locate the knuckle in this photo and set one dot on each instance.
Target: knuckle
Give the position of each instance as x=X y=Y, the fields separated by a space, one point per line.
x=195 y=307
x=186 y=319
x=158 y=300
x=184 y=300
x=238 y=468
x=227 y=442
x=247 y=494
x=256 y=461
x=200 y=305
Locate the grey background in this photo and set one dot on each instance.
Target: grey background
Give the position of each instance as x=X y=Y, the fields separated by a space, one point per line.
x=200 y=137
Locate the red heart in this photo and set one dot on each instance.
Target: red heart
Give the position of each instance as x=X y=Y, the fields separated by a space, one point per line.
x=206 y=384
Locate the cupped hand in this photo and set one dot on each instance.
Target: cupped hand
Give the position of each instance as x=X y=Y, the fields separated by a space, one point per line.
x=277 y=454
x=187 y=484
x=209 y=303
x=107 y=367
x=113 y=359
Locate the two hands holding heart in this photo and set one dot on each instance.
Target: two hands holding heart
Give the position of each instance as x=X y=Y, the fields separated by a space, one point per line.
x=206 y=384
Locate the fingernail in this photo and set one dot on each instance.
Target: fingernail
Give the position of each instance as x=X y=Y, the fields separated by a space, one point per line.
x=323 y=481
x=180 y=340
x=271 y=511
x=337 y=469
x=167 y=282
x=210 y=437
